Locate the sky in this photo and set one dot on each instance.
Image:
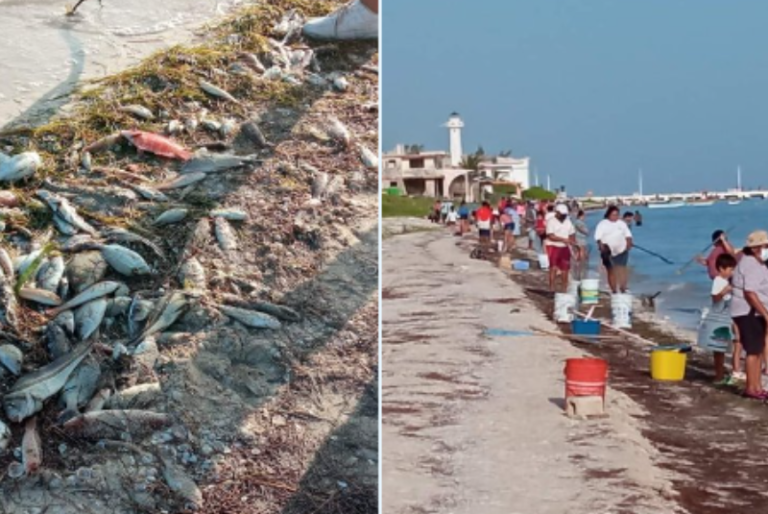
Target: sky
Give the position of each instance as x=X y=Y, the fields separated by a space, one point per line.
x=590 y=90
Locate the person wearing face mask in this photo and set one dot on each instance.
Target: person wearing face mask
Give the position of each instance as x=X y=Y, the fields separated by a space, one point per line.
x=748 y=308
x=561 y=235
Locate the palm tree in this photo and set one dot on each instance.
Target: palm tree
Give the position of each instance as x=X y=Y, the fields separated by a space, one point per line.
x=414 y=149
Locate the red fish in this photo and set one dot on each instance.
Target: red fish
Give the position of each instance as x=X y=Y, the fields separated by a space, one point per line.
x=156 y=144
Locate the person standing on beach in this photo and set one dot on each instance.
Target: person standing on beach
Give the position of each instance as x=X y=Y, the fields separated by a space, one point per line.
x=484 y=220
x=463 y=217
x=614 y=240
x=720 y=246
x=561 y=235
x=436 y=211
x=717 y=323
x=452 y=217
x=581 y=250
x=445 y=208
x=748 y=308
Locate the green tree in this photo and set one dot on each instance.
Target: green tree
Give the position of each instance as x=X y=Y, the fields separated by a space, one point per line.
x=538 y=193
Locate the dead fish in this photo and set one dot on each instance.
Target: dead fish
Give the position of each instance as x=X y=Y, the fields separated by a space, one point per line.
x=139 y=111
x=338 y=131
x=104 y=143
x=250 y=129
x=217 y=92
x=145 y=356
x=27 y=395
x=49 y=276
x=370 y=160
x=64 y=227
x=171 y=216
x=190 y=124
x=65 y=320
x=166 y=313
x=174 y=128
x=79 y=389
x=182 y=181
x=5 y=436
x=88 y=317
x=212 y=125
x=111 y=424
x=334 y=186
x=192 y=274
x=319 y=184
x=224 y=234
x=253 y=62
x=93 y=292
x=40 y=296
x=23 y=262
x=341 y=84
x=213 y=163
x=121 y=234
x=251 y=318
x=6 y=264
x=86 y=161
x=228 y=127
x=64 y=210
x=79 y=243
x=201 y=235
x=99 y=400
x=230 y=214
x=56 y=339
x=148 y=193
x=139 y=396
x=31 y=447
x=125 y=261
x=281 y=312
x=118 y=306
x=20 y=166
x=84 y=270
x=11 y=358
x=182 y=485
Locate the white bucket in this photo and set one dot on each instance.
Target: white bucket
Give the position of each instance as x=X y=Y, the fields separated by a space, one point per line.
x=715 y=333
x=621 y=307
x=564 y=305
x=573 y=289
x=590 y=291
x=500 y=245
x=544 y=261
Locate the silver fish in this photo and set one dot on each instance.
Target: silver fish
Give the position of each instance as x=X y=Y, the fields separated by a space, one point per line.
x=64 y=227
x=110 y=424
x=31 y=448
x=139 y=111
x=166 y=313
x=120 y=234
x=11 y=358
x=217 y=92
x=79 y=389
x=86 y=162
x=104 y=143
x=56 y=339
x=253 y=62
x=201 y=236
x=192 y=274
x=148 y=193
x=212 y=125
x=338 y=131
x=64 y=287
x=49 y=276
x=319 y=184
x=228 y=126
x=174 y=128
x=370 y=159
x=8 y=303
x=125 y=261
x=251 y=318
x=341 y=84
x=27 y=395
x=142 y=310
x=182 y=485
x=93 y=292
x=20 y=166
x=40 y=296
x=229 y=214
x=182 y=181
x=88 y=317
x=225 y=235
x=65 y=320
x=251 y=130
x=62 y=208
x=171 y=216
x=79 y=243
x=23 y=262
x=213 y=163
x=118 y=306
x=6 y=265
x=99 y=400
x=136 y=397
x=84 y=270
x=5 y=436
x=145 y=355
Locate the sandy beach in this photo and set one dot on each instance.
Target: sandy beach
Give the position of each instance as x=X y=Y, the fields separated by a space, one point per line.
x=474 y=423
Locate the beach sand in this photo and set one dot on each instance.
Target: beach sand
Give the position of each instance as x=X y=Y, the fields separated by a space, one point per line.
x=473 y=423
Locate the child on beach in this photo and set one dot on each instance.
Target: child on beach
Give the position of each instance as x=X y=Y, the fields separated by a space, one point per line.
x=719 y=338
x=452 y=217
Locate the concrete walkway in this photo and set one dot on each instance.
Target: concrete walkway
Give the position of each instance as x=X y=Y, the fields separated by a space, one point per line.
x=474 y=424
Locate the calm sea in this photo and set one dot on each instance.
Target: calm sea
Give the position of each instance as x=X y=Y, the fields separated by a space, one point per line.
x=679 y=234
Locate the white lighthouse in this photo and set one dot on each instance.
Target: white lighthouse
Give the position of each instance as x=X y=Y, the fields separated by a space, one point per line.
x=454 y=129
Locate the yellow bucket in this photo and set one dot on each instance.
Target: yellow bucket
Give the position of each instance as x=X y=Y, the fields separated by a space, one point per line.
x=668 y=365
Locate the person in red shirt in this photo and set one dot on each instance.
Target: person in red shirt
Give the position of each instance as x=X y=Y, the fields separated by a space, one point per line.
x=720 y=245
x=484 y=221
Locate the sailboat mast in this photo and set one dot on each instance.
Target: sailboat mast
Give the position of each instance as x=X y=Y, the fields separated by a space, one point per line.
x=738 y=178
x=640 y=180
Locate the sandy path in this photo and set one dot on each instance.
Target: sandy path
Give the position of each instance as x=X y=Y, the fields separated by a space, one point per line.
x=473 y=424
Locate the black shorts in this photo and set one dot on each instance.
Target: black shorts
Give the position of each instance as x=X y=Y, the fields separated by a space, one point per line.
x=463 y=216
x=609 y=261
x=509 y=227
x=751 y=333
x=485 y=232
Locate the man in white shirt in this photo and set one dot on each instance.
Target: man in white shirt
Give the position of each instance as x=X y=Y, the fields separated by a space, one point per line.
x=561 y=234
x=614 y=240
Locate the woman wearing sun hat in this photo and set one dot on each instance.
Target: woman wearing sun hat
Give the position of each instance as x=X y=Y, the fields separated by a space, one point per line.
x=748 y=307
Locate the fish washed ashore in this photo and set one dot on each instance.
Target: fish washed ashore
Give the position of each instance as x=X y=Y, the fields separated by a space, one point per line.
x=188 y=282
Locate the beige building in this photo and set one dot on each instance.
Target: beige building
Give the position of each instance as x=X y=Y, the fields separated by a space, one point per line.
x=424 y=173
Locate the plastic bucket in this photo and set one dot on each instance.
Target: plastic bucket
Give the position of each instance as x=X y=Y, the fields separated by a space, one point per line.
x=668 y=365
x=564 y=306
x=544 y=261
x=521 y=265
x=590 y=291
x=499 y=245
x=587 y=328
x=585 y=377
x=573 y=288
x=621 y=308
x=714 y=333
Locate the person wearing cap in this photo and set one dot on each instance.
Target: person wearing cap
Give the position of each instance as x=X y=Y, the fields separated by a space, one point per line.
x=561 y=234
x=748 y=308
x=614 y=239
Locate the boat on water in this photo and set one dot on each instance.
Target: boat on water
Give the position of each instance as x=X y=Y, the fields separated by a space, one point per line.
x=707 y=203
x=734 y=202
x=665 y=205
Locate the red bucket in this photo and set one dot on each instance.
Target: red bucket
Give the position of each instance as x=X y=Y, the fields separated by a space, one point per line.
x=585 y=377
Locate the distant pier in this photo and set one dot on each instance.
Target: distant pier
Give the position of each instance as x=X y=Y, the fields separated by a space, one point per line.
x=759 y=194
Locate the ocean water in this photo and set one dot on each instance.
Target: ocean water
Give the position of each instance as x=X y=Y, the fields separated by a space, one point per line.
x=679 y=234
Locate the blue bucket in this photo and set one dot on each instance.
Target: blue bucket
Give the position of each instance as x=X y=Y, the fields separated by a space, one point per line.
x=521 y=265
x=581 y=327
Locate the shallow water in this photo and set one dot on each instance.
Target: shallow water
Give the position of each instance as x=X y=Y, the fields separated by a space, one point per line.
x=678 y=235
x=43 y=53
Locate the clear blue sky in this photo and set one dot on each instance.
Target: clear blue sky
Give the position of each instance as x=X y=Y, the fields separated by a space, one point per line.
x=591 y=90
